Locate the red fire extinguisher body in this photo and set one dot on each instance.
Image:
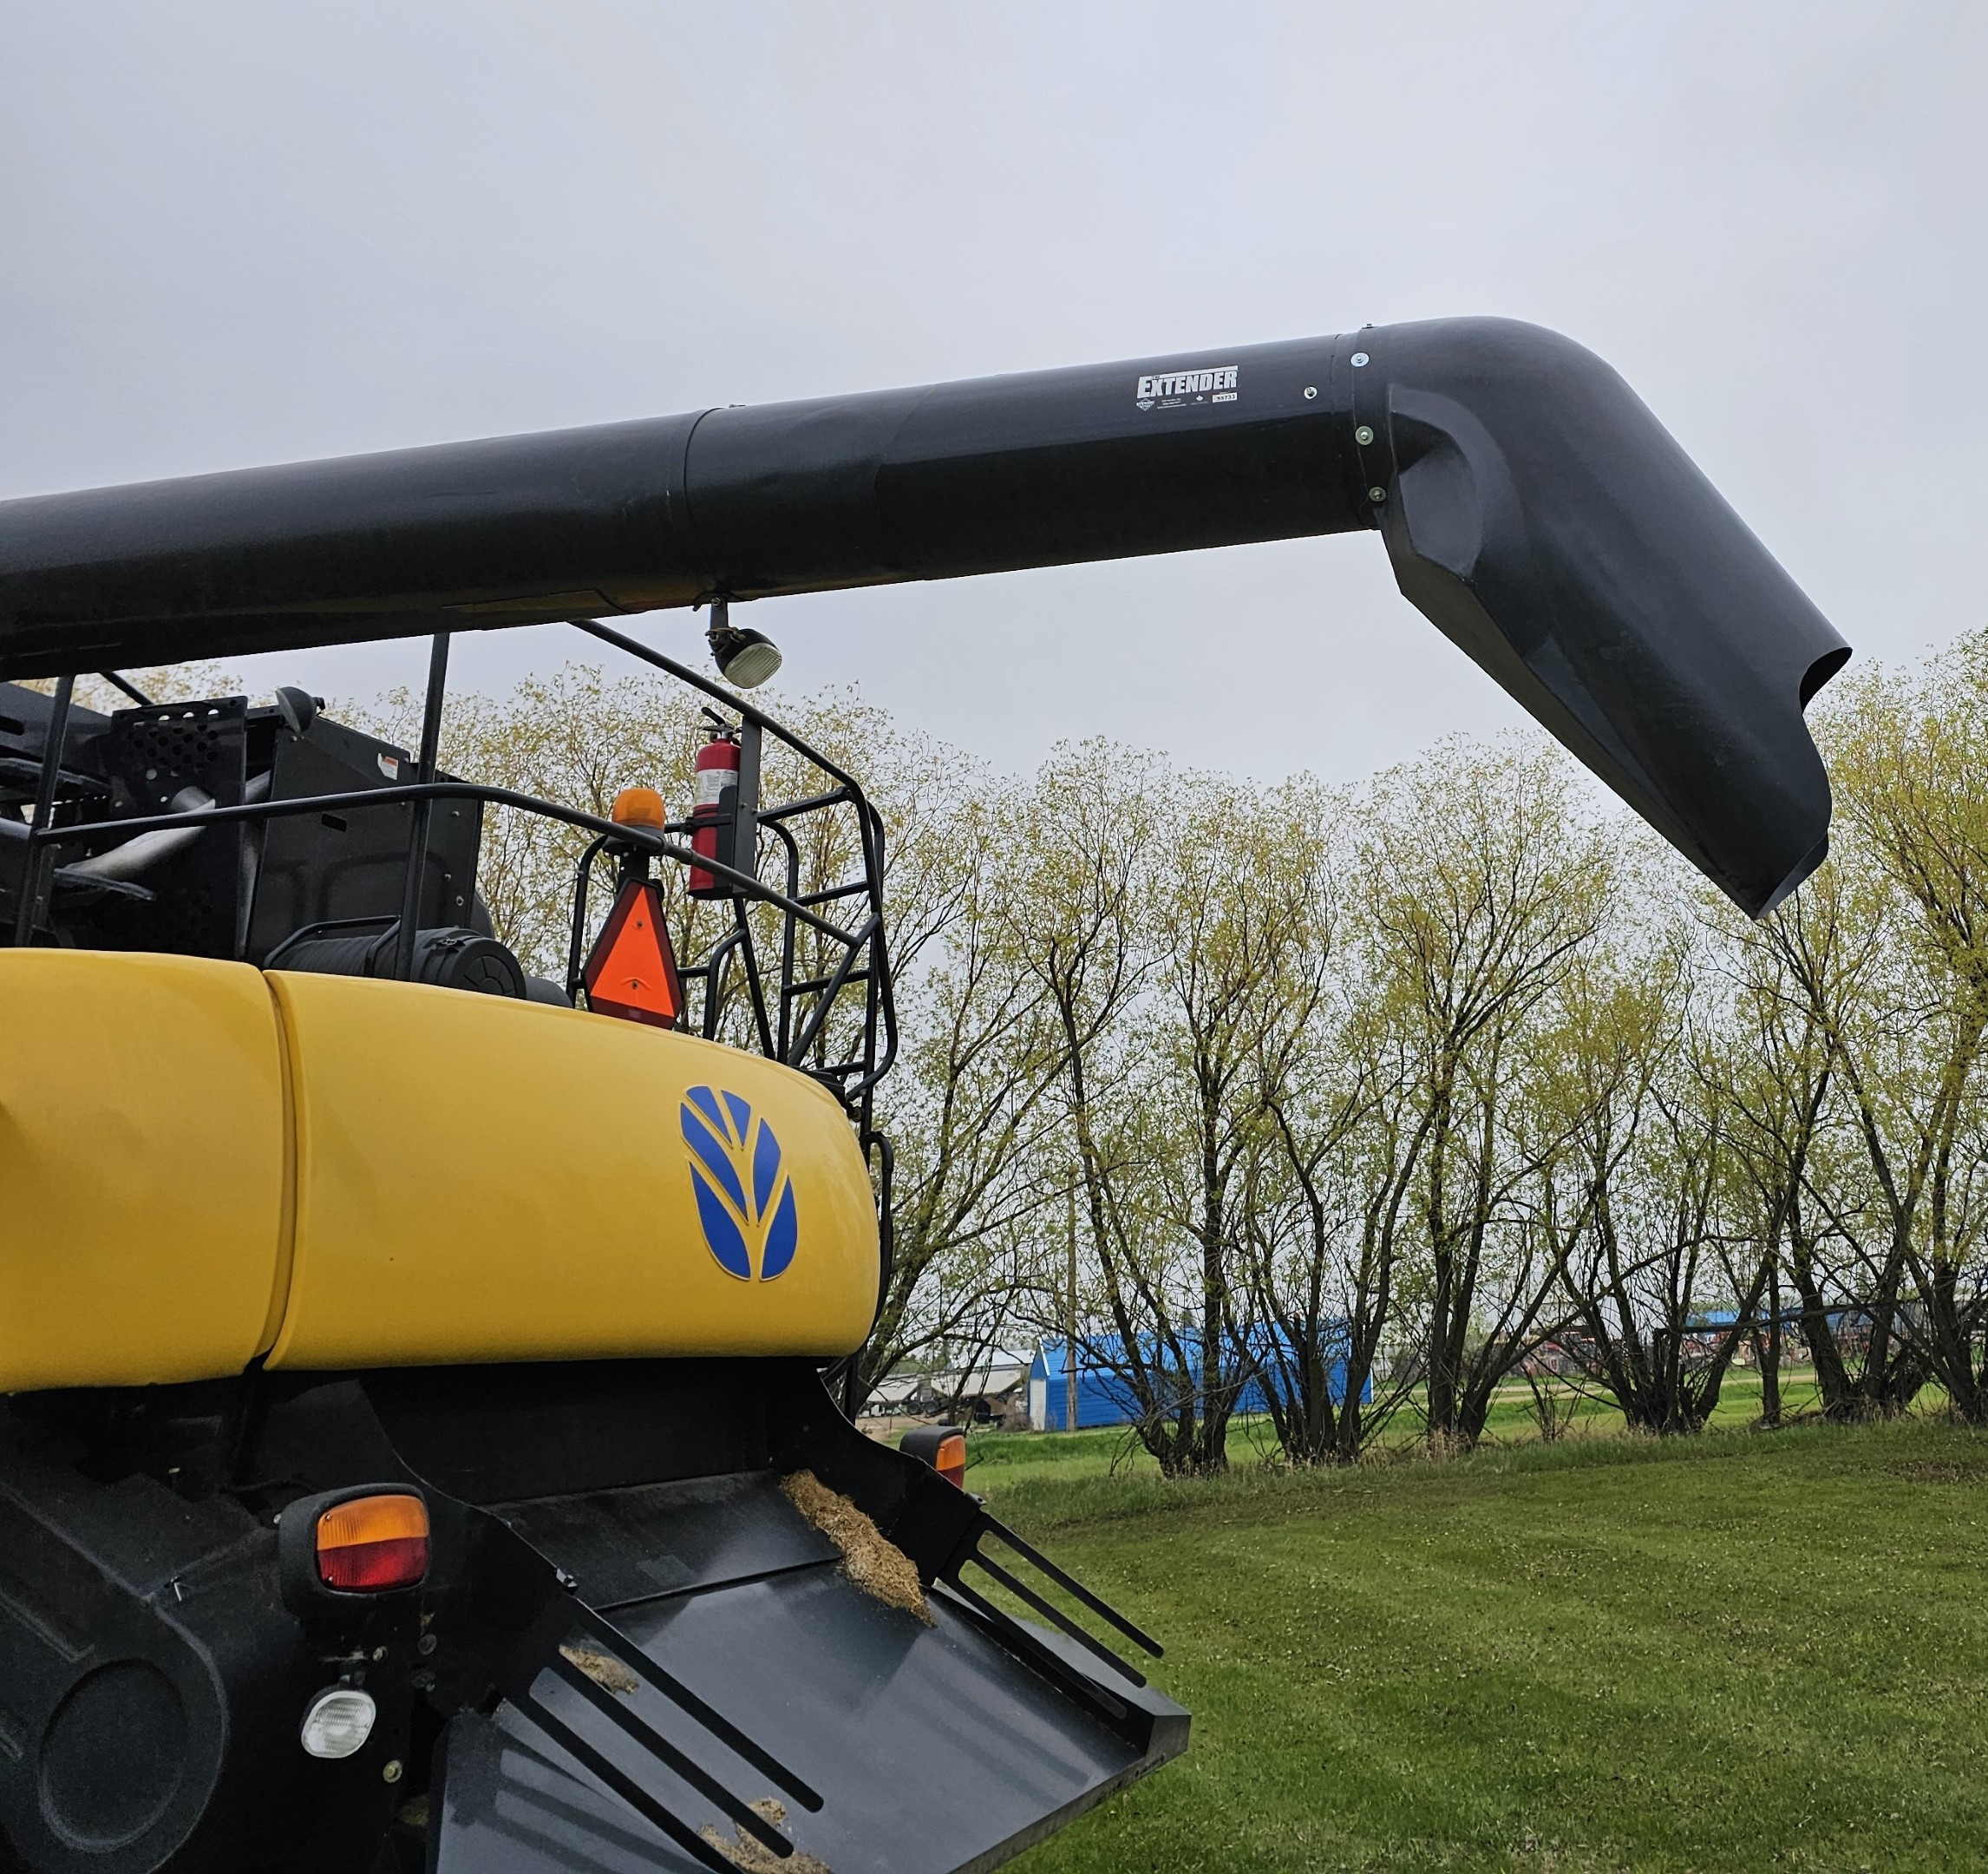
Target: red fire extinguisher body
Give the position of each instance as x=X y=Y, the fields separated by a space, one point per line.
x=716 y=801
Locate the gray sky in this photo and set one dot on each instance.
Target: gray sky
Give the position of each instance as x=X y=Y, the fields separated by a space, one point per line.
x=238 y=234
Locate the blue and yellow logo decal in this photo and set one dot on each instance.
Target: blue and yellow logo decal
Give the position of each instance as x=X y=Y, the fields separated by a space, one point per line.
x=745 y=1199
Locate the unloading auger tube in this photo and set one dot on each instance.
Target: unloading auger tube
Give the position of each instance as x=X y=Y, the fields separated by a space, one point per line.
x=1532 y=505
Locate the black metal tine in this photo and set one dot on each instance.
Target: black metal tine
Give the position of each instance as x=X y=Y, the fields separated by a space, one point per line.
x=1103 y=1609
x=656 y=1745
x=1050 y=1611
x=623 y=1785
x=1022 y=1640
x=673 y=1688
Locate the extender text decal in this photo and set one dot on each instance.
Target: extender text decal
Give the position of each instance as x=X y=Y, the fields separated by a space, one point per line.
x=1216 y=383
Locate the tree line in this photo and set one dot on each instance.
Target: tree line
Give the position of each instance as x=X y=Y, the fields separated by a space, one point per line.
x=1374 y=1098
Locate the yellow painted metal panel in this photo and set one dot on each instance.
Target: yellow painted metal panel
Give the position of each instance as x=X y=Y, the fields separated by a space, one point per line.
x=478 y=1179
x=141 y=1168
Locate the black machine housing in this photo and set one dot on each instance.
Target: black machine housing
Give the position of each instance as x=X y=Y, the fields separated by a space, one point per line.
x=628 y=1636
x=242 y=889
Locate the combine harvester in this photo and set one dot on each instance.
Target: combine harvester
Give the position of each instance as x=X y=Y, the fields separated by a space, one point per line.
x=423 y=1440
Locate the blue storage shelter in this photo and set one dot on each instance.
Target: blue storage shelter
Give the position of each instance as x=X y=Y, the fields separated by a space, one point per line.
x=1103 y=1399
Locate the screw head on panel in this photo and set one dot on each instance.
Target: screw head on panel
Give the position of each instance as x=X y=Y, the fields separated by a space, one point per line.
x=1359 y=358
x=1377 y=493
x=1363 y=435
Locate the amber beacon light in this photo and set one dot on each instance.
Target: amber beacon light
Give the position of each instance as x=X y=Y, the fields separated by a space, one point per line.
x=639 y=807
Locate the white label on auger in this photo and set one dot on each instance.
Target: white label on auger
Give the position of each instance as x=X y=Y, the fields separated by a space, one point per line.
x=1215 y=383
x=713 y=783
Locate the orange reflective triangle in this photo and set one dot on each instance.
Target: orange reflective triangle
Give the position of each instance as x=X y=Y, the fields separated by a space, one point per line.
x=633 y=972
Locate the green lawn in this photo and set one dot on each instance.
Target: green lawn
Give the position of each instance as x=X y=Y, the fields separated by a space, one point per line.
x=1745 y=1650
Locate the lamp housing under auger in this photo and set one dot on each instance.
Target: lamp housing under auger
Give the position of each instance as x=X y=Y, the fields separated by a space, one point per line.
x=745 y=658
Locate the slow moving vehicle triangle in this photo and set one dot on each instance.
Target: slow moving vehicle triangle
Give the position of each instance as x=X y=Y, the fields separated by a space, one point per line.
x=632 y=970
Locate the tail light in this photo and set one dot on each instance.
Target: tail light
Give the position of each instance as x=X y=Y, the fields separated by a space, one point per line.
x=372 y=1544
x=941 y=1447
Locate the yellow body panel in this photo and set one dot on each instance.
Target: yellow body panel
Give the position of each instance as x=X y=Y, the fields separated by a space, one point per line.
x=142 y=1201
x=200 y=1163
x=478 y=1179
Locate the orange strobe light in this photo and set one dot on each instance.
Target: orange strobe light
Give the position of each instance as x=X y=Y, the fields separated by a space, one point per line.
x=639 y=807
x=373 y=1544
x=950 y=1462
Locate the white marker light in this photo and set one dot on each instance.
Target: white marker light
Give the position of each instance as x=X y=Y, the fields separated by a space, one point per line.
x=338 y=1722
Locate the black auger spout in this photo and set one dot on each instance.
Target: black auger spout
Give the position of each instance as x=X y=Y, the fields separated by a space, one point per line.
x=1532 y=507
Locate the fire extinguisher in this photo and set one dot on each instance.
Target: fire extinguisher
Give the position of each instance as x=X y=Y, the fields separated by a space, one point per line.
x=715 y=809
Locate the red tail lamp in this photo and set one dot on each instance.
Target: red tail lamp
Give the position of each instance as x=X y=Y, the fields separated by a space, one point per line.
x=373 y=1544
x=941 y=1447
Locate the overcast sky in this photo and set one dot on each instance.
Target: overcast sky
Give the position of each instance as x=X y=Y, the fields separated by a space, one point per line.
x=251 y=233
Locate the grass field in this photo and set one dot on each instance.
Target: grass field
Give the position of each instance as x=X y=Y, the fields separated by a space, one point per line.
x=1745 y=1650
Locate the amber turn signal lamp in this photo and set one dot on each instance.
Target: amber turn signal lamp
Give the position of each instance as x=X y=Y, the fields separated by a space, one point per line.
x=639 y=807
x=941 y=1447
x=373 y=1544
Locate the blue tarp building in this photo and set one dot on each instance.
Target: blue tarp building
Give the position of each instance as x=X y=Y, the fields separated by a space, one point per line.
x=1103 y=1399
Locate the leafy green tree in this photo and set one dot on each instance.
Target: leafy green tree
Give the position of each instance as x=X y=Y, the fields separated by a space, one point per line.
x=1483 y=884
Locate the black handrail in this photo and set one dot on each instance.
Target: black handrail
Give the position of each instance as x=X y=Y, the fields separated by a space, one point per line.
x=434 y=790
x=877 y=1062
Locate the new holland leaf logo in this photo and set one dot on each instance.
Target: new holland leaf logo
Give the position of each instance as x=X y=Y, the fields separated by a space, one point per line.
x=745 y=1199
